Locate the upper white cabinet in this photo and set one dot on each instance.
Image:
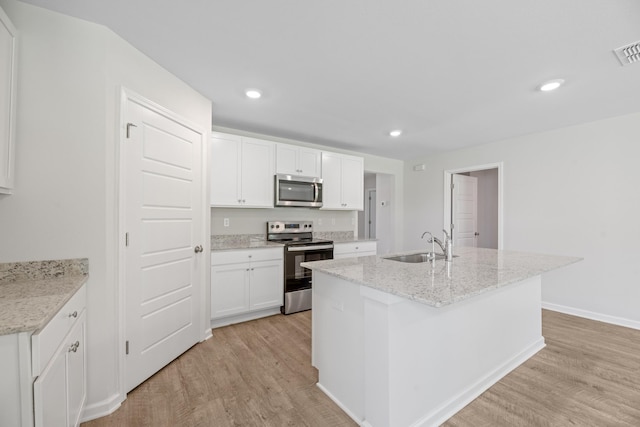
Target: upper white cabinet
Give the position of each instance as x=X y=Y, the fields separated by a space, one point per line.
x=8 y=69
x=294 y=160
x=242 y=171
x=343 y=177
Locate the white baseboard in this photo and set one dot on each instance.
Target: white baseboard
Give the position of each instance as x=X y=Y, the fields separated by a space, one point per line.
x=101 y=409
x=244 y=317
x=344 y=408
x=450 y=408
x=620 y=321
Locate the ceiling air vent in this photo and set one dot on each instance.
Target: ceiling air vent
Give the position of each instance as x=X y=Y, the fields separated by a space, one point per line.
x=628 y=54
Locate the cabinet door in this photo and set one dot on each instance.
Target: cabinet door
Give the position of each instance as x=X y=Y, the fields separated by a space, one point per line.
x=257 y=173
x=352 y=183
x=267 y=284
x=76 y=371
x=229 y=289
x=50 y=393
x=332 y=181
x=309 y=162
x=225 y=171
x=287 y=159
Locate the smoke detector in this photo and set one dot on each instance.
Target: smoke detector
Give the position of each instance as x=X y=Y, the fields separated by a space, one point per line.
x=628 y=54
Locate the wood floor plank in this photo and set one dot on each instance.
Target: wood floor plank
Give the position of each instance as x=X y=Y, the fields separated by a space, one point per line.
x=259 y=373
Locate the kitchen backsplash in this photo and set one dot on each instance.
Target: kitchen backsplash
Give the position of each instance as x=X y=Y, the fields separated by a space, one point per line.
x=254 y=221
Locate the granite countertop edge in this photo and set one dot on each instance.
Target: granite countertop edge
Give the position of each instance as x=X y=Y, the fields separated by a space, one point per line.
x=35 y=302
x=468 y=288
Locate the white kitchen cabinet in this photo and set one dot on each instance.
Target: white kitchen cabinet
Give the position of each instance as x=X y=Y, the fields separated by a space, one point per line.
x=242 y=171
x=59 y=391
x=44 y=373
x=295 y=160
x=246 y=284
x=354 y=249
x=8 y=70
x=343 y=177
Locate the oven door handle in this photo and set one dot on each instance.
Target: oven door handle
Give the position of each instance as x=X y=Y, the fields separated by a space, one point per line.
x=308 y=248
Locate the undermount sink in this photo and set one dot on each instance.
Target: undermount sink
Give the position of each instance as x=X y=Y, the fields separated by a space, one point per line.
x=421 y=257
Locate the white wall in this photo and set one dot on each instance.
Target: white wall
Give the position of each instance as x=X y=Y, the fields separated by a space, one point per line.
x=65 y=202
x=571 y=191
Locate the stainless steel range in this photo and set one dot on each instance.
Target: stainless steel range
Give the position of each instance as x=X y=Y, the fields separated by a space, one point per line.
x=300 y=246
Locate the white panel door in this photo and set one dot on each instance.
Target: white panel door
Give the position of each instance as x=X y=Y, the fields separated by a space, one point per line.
x=287 y=159
x=267 y=284
x=229 y=289
x=464 y=205
x=309 y=162
x=163 y=222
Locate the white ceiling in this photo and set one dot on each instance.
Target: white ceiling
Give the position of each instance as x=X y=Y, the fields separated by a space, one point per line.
x=450 y=73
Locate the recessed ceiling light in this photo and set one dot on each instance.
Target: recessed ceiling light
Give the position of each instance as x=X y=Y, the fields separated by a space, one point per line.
x=551 y=85
x=253 y=93
x=395 y=133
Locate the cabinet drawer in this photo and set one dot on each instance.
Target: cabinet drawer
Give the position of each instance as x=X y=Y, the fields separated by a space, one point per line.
x=45 y=342
x=354 y=248
x=232 y=257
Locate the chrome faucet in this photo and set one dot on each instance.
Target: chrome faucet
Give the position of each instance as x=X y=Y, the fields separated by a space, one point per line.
x=446 y=246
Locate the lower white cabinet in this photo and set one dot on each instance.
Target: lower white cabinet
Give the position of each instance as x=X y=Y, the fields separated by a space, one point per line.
x=246 y=284
x=59 y=391
x=354 y=249
x=44 y=373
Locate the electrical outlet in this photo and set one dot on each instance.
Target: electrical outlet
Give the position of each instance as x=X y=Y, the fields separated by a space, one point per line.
x=225 y=222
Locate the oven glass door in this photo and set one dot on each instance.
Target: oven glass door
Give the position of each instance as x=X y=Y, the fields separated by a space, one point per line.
x=296 y=277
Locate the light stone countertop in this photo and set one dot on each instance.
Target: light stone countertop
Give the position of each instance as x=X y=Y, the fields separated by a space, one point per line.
x=473 y=272
x=241 y=241
x=31 y=293
x=353 y=240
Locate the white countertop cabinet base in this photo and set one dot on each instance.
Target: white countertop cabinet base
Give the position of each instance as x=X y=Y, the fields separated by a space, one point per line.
x=245 y=285
x=354 y=249
x=390 y=361
x=44 y=373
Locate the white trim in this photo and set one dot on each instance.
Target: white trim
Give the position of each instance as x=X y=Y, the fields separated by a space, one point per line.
x=613 y=320
x=447 y=195
x=367 y=211
x=456 y=404
x=102 y=408
x=125 y=96
x=244 y=317
x=346 y=410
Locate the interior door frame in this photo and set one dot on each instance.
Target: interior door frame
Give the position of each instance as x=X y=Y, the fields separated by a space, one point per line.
x=447 y=195
x=127 y=95
x=367 y=212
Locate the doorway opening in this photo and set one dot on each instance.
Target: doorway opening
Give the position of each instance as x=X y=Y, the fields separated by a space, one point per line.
x=473 y=205
x=377 y=219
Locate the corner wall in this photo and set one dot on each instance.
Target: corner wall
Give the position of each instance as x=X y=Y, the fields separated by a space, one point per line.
x=65 y=202
x=571 y=191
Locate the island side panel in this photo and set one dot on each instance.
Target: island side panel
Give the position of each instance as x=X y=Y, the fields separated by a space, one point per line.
x=338 y=342
x=436 y=360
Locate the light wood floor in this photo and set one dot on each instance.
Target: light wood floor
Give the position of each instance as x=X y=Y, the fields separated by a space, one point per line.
x=258 y=374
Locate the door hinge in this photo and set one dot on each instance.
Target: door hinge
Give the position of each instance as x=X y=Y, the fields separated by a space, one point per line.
x=126 y=347
x=452 y=185
x=126 y=239
x=129 y=125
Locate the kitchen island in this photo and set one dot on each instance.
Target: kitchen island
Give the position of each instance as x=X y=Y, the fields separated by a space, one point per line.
x=410 y=344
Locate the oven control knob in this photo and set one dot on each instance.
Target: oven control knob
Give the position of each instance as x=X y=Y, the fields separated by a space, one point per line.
x=272 y=225
x=278 y=226
x=310 y=225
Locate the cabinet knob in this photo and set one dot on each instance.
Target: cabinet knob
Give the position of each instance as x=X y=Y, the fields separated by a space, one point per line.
x=74 y=314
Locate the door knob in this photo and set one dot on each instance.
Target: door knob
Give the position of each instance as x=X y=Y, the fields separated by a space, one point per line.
x=476 y=234
x=198 y=249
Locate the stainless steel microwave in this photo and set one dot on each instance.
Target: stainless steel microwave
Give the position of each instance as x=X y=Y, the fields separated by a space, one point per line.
x=301 y=191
